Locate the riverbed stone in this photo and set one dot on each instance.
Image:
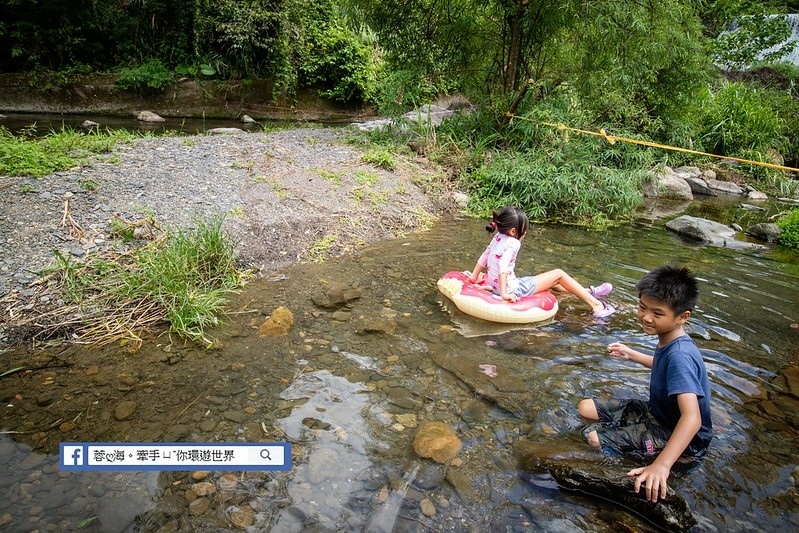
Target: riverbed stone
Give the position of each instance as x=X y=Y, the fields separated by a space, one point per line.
x=125 y=409
x=667 y=184
x=199 y=506
x=242 y=517
x=149 y=116
x=437 y=441
x=765 y=231
x=278 y=324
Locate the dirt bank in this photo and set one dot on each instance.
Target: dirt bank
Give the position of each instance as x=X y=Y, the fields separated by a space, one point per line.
x=288 y=196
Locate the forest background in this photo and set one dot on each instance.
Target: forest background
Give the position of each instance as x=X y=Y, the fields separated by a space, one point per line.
x=663 y=71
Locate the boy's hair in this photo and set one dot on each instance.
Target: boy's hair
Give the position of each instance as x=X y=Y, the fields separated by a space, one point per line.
x=510 y=217
x=674 y=286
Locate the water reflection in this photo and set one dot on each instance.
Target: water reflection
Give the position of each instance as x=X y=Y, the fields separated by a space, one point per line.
x=348 y=388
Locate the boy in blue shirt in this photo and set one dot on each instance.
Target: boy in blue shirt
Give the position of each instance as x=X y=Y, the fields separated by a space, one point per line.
x=675 y=421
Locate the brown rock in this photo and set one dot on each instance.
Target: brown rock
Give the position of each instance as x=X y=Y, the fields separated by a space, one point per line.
x=199 y=506
x=204 y=488
x=278 y=324
x=437 y=441
x=243 y=517
x=124 y=410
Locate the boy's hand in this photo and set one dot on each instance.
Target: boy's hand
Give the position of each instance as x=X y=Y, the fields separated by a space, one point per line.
x=510 y=297
x=653 y=477
x=617 y=349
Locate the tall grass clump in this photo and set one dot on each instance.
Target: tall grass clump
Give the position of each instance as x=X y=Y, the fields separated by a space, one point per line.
x=182 y=279
x=740 y=119
x=26 y=155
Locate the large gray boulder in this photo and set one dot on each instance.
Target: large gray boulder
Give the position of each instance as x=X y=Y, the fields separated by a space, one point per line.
x=765 y=231
x=707 y=232
x=667 y=184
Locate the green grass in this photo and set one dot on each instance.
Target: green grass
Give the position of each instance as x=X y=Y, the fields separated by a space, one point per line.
x=23 y=155
x=366 y=178
x=182 y=278
x=380 y=157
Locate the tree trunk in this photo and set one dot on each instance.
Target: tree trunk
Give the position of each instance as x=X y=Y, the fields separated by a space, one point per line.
x=515 y=49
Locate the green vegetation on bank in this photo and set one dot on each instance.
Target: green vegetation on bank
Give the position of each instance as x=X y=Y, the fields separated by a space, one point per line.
x=789 y=226
x=182 y=278
x=22 y=155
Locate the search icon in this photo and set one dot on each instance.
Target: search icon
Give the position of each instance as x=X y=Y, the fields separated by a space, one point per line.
x=265 y=454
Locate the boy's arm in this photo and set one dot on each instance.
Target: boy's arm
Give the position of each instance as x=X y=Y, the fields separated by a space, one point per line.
x=654 y=476
x=622 y=351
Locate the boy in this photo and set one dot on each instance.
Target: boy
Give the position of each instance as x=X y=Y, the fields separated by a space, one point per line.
x=676 y=419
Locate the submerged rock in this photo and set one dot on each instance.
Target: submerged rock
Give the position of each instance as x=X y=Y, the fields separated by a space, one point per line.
x=278 y=324
x=595 y=478
x=437 y=441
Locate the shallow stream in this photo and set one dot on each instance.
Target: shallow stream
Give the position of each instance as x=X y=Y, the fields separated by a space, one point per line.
x=349 y=386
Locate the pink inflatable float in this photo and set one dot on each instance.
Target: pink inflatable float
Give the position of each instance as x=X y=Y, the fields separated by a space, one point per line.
x=473 y=299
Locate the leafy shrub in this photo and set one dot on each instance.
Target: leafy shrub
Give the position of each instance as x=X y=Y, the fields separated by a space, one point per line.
x=739 y=118
x=342 y=60
x=152 y=75
x=789 y=224
x=551 y=184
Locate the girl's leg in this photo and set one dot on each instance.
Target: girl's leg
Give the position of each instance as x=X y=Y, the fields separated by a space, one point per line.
x=550 y=279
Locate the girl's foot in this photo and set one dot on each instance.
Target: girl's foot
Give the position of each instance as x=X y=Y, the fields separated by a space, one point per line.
x=600 y=291
x=606 y=310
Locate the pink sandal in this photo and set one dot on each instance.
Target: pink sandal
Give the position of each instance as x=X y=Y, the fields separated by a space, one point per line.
x=606 y=311
x=602 y=290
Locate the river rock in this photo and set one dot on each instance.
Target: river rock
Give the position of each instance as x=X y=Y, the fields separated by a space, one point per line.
x=699 y=186
x=757 y=196
x=667 y=184
x=225 y=131
x=90 y=124
x=247 y=119
x=149 y=116
x=437 y=441
x=278 y=324
x=124 y=410
x=242 y=517
x=765 y=231
x=203 y=488
x=335 y=295
x=427 y=508
x=592 y=477
x=707 y=231
x=725 y=187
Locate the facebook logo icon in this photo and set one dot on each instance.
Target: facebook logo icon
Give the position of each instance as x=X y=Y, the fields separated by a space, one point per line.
x=72 y=456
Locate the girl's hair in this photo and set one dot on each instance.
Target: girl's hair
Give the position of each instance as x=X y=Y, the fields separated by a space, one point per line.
x=509 y=217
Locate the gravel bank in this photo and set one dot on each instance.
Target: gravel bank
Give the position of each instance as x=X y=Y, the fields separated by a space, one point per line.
x=283 y=193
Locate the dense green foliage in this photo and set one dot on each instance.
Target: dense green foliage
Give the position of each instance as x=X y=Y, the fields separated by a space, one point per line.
x=789 y=226
x=647 y=71
x=296 y=44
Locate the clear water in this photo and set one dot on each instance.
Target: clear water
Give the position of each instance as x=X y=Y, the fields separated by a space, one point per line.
x=335 y=386
x=40 y=124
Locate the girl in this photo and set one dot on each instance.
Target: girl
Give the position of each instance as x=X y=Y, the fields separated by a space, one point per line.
x=500 y=259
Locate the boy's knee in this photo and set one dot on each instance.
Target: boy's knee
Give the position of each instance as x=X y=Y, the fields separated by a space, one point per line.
x=592 y=438
x=587 y=409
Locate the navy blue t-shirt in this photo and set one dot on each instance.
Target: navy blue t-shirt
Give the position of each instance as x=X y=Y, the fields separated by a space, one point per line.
x=678 y=368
